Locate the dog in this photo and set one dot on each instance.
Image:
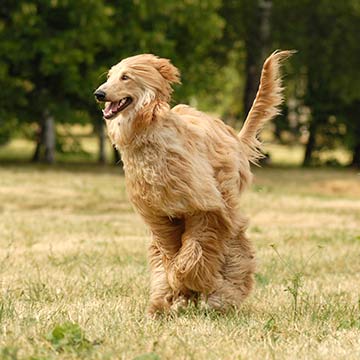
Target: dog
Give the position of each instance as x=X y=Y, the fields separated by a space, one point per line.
x=185 y=171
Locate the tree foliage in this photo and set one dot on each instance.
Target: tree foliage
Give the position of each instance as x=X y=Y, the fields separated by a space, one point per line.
x=325 y=33
x=54 y=53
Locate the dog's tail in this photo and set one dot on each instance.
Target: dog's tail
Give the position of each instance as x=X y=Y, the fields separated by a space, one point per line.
x=265 y=105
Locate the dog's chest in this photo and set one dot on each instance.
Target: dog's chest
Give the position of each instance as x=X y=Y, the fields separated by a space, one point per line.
x=144 y=172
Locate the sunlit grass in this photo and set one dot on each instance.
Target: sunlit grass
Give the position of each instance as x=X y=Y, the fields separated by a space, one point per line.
x=20 y=149
x=285 y=155
x=74 y=276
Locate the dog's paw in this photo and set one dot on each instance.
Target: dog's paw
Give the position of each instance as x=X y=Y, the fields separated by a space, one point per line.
x=154 y=312
x=175 y=280
x=179 y=304
x=159 y=307
x=212 y=302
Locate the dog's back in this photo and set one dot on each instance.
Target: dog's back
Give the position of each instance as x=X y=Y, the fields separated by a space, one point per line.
x=224 y=150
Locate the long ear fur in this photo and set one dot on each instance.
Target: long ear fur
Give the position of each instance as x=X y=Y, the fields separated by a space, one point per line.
x=266 y=104
x=168 y=71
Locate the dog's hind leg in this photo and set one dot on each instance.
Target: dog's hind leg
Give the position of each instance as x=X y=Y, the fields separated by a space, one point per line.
x=238 y=274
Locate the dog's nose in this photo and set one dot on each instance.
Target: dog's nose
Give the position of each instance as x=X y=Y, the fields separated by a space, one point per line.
x=100 y=95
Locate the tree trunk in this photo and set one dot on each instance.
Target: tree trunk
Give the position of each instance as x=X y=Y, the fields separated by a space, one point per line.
x=39 y=144
x=356 y=155
x=102 y=142
x=252 y=82
x=310 y=145
x=256 y=48
x=355 y=128
x=265 y=11
x=49 y=138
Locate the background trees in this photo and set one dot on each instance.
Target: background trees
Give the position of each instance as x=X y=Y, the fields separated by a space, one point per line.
x=48 y=58
x=325 y=33
x=53 y=53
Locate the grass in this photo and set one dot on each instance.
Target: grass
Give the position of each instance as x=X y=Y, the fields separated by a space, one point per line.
x=74 y=276
x=20 y=149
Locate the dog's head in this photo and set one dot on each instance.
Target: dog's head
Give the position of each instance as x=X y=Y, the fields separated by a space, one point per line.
x=135 y=82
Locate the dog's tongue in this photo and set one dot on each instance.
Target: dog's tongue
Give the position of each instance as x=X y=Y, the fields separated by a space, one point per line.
x=114 y=106
x=110 y=108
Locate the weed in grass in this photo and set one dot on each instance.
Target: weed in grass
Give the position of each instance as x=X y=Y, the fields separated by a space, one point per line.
x=261 y=279
x=294 y=288
x=295 y=282
x=271 y=329
x=147 y=356
x=9 y=353
x=7 y=309
x=69 y=337
x=353 y=321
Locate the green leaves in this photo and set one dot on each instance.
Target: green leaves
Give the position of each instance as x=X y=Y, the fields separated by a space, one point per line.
x=147 y=356
x=60 y=48
x=69 y=337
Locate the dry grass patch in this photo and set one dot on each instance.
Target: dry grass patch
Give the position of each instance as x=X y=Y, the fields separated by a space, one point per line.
x=74 y=276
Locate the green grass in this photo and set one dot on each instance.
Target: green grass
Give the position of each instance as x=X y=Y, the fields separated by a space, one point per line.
x=21 y=150
x=74 y=276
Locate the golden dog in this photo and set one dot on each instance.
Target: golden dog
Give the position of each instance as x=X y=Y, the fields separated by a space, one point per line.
x=185 y=172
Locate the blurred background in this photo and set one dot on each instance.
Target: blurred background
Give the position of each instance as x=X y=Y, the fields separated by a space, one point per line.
x=54 y=53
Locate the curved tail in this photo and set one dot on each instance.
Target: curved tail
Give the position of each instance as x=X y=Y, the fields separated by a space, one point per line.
x=266 y=104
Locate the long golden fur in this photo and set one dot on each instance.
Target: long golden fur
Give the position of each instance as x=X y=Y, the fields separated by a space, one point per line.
x=185 y=171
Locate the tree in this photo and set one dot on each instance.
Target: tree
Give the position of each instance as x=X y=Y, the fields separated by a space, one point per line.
x=325 y=33
x=183 y=32
x=53 y=53
x=50 y=47
x=351 y=113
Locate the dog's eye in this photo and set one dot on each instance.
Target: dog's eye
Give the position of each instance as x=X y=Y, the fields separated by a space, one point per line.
x=124 y=77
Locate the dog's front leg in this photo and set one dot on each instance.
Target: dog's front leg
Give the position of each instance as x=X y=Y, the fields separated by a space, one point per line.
x=199 y=261
x=165 y=245
x=161 y=294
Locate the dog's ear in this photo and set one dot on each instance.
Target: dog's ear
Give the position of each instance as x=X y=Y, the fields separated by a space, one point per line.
x=168 y=71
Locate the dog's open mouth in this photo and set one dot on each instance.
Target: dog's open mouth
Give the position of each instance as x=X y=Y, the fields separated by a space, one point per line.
x=112 y=108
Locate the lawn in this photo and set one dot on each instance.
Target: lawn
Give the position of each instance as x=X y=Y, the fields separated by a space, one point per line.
x=74 y=275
